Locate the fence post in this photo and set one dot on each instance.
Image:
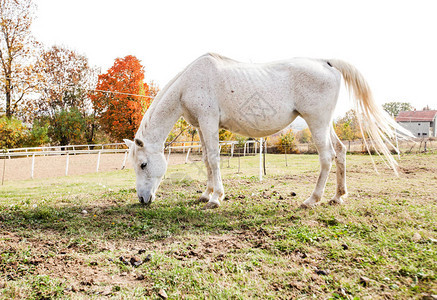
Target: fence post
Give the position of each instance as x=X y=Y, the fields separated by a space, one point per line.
x=98 y=161
x=168 y=156
x=260 y=159
x=264 y=157
x=66 y=164
x=124 y=161
x=33 y=166
x=285 y=151
x=188 y=154
x=232 y=150
x=4 y=168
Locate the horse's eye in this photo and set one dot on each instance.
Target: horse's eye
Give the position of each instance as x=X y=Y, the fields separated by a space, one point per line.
x=143 y=165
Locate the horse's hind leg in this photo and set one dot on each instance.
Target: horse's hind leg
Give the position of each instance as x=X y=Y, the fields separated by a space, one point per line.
x=209 y=186
x=321 y=136
x=340 y=161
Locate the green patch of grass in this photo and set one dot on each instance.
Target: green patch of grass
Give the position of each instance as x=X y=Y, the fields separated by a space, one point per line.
x=258 y=244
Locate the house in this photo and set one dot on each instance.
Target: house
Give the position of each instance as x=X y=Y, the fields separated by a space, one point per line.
x=421 y=123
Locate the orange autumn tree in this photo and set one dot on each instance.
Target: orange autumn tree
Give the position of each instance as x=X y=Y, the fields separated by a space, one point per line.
x=120 y=111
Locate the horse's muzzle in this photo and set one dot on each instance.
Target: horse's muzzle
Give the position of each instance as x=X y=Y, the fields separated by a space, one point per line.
x=146 y=198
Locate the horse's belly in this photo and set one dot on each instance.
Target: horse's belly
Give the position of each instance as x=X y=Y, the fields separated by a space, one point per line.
x=257 y=115
x=251 y=131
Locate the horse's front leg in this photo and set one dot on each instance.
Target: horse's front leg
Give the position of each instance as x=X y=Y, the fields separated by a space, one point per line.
x=210 y=185
x=211 y=143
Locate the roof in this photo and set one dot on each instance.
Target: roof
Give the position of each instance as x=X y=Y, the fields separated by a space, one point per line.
x=416 y=116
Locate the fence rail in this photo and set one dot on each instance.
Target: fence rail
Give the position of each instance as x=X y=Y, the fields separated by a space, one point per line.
x=99 y=149
x=64 y=148
x=108 y=148
x=228 y=149
x=250 y=146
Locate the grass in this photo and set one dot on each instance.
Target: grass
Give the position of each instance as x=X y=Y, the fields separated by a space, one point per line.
x=258 y=244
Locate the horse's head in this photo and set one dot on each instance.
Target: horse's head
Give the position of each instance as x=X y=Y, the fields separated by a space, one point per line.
x=149 y=166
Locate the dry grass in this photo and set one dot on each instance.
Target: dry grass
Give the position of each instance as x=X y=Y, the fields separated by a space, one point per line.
x=258 y=244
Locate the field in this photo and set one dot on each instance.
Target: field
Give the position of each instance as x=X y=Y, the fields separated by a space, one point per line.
x=86 y=236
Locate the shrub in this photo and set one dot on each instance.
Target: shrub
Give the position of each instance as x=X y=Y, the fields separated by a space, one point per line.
x=13 y=133
x=38 y=135
x=287 y=142
x=304 y=136
x=67 y=126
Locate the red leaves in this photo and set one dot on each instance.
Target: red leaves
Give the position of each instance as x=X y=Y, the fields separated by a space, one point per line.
x=120 y=114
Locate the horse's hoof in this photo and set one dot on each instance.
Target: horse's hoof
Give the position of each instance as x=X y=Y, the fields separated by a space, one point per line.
x=335 y=201
x=306 y=206
x=202 y=199
x=210 y=205
x=310 y=202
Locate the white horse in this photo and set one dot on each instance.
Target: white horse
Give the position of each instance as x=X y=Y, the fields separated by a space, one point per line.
x=256 y=100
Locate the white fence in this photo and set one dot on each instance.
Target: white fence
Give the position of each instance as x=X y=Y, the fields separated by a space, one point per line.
x=114 y=148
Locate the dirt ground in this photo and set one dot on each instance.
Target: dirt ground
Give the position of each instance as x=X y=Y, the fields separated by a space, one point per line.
x=258 y=245
x=54 y=166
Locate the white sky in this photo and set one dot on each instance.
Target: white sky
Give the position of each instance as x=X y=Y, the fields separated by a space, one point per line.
x=393 y=43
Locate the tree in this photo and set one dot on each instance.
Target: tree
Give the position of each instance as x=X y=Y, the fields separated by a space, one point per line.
x=192 y=131
x=287 y=142
x=38 y=135
x=17 y=53
x=304 y=136
x=66 y=80
x=394 y=108
x=13 y=132
x=347 y=127
x=120 y=111
x=182 y=131
x=67 y=127
x=225 y=135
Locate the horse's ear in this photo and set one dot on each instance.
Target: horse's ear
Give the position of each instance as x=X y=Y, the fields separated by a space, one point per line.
x=139 y=143
x=128 y=143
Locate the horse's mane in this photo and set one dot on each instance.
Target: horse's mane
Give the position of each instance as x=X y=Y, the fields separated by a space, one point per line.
x=160 y=95
x=221 y=57
x=167 y=87
x=149 y=112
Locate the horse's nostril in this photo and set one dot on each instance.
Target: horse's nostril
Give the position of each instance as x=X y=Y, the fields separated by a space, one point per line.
x=141 y=199
x=150 y=199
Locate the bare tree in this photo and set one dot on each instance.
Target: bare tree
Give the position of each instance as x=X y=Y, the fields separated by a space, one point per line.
x=64 y=89
x=17 y=53
x=394 y=108
x=66 y=79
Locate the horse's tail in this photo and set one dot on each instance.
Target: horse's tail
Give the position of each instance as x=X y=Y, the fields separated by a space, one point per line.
x=379 y=126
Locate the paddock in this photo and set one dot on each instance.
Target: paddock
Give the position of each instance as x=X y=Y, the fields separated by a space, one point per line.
x=76 y=236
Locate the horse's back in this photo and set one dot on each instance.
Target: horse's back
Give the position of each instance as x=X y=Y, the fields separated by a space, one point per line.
x=228 y=75
x=254 y=99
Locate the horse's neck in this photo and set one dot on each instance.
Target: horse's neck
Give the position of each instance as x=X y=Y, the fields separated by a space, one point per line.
x=159 y=119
